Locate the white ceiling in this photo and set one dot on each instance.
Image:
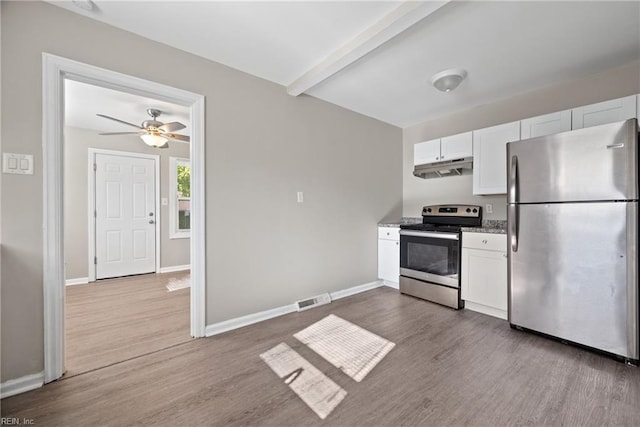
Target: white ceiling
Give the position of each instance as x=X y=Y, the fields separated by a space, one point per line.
x=84 y=101
x=506 y=47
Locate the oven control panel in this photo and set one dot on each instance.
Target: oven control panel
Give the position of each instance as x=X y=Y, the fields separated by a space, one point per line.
x=464 y=211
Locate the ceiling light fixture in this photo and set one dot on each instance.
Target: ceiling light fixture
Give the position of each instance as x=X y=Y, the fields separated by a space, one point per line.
x=84 y=4
x=154 y=139
x=448 y=80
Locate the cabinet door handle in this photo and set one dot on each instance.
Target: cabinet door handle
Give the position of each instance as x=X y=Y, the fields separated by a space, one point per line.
x=397 y=243
x=484 y=241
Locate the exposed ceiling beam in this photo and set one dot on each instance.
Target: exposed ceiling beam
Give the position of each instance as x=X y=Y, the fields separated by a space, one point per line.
x=392 y=24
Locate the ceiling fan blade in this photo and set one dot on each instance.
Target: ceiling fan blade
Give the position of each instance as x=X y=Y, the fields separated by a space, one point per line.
x=121 y=133
x=171 y=127
x=183 y=138
x=118 y=120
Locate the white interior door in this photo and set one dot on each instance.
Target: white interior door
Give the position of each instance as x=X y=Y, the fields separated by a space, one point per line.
x=125 y=215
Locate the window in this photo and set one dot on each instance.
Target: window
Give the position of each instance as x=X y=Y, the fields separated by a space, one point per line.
x=180 y=198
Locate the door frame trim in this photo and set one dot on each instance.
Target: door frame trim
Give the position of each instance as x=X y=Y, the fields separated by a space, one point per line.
x=91 y=156
x=55 y=70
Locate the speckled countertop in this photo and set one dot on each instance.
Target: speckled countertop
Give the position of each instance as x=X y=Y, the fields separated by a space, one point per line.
x=494 y=226
x=401 y=221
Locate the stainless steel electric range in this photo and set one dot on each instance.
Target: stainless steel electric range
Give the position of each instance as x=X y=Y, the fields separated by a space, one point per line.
x=430 y=253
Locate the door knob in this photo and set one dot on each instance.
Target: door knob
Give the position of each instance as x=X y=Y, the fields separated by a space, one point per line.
x=151 y=221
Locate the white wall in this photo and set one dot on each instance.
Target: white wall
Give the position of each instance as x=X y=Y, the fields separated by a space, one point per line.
x=77 y=141
x=417 y=192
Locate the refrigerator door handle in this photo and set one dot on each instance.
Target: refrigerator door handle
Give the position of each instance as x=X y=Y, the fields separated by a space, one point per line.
x=513 y=180
x=513 y=207
x=513 y=226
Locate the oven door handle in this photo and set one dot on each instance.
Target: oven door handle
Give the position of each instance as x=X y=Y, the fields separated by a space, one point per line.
x=449 y=236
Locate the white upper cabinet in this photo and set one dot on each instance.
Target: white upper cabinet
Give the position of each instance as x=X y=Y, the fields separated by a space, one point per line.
x=545 y=125
x=456 y=146
x=448 y=148
x=601 y=113
x=490 y=157
x=426 y=152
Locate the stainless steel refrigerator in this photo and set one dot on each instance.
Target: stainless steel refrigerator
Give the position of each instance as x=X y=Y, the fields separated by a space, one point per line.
x=573 y=236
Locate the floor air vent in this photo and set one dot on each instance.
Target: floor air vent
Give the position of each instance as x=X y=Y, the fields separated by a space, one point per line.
x=306 y=304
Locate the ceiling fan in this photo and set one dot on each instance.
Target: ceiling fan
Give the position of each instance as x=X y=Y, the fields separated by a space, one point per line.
x=153 y=132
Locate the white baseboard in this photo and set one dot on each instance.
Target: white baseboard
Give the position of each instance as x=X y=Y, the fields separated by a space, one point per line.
x=85 y=280
x=391 y=284
x=485 y=309
x=249 y=319
x=174 y=268
x=355 y=290
x=76 y=281
x=239 y=322
x=21 y=385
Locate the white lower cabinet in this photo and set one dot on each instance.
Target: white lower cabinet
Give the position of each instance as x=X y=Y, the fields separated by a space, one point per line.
x=484 y=273
x=389 y=255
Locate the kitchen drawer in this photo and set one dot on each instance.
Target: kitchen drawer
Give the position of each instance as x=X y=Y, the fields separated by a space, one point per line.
x=389 y=233
x=485 y=241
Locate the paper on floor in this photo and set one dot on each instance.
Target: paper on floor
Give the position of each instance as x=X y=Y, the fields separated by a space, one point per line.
x=315 y=389
x=346 y=346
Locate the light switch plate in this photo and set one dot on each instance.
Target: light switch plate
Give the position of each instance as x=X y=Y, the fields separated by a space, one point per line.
x=20 y=164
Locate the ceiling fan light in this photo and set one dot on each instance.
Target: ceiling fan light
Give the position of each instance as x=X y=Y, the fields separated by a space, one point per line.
x=84 y=4
x=448 y=80
x=153 y=140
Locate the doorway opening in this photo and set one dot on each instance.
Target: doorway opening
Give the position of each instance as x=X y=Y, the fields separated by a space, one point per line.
x=135 y=243
x=127 y=271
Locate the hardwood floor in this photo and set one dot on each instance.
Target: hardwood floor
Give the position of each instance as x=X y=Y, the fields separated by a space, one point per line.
x=447 y=368
x=116 y=319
